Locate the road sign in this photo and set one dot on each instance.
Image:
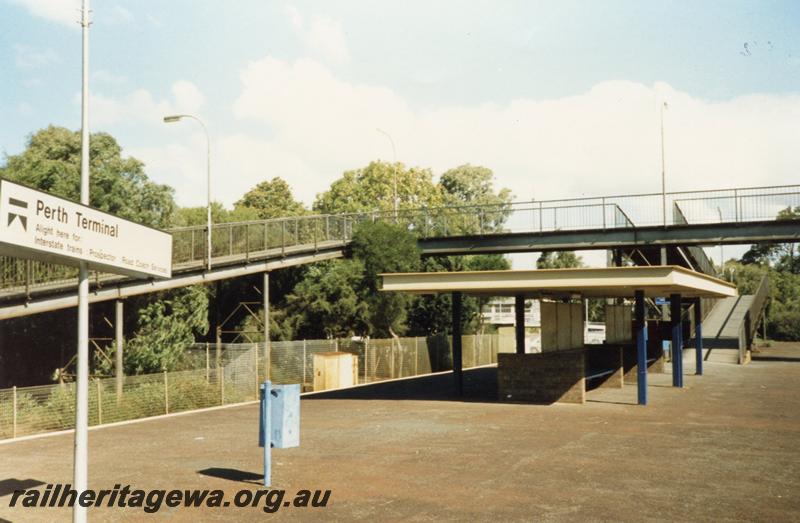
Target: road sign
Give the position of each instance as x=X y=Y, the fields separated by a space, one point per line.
x=662 y=301
x=38 y=225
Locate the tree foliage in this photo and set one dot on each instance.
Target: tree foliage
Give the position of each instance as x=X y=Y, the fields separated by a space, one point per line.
x=372 y=188
x=165 y=327
x=271 y=199
x=384 y=247
x=186 y=216
x=559 y=260
x=326 y=304
x=52 y=162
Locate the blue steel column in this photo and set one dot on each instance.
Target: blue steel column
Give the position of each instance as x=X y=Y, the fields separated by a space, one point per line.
x=519 y=311
x=698 y=336
x=641 y=348
x=677 y=339
x=457 y=364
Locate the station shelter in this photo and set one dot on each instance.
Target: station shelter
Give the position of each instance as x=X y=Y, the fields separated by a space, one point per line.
x=564 y=366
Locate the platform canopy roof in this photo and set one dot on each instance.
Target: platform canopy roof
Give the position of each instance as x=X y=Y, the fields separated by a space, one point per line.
x=612 y=282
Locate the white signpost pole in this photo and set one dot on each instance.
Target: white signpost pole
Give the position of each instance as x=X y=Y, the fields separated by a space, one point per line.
x=81 y=458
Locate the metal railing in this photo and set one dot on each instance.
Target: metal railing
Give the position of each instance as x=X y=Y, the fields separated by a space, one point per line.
x=241 y=242
x=203 y=383
x=701 y=259
x=752 y=317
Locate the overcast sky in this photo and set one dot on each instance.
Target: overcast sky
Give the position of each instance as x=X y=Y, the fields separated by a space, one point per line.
x=560 y=99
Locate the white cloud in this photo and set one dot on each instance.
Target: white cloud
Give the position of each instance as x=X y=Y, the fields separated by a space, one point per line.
x=28 y=57
x=323 y=36
x=605 y=140
x=140 y=106
x=66 y=12
x=188 y=98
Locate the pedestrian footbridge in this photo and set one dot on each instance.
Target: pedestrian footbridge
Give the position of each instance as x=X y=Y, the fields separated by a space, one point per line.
x=649 y=229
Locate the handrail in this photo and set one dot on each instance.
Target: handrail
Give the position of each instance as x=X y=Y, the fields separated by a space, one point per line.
x=248 y=240
x=704 y=263
x=752 y=316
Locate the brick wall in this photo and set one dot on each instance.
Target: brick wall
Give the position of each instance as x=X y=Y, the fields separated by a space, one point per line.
x=547 y=377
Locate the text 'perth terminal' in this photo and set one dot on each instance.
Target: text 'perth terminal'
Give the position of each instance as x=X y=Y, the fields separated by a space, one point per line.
x=35 y=224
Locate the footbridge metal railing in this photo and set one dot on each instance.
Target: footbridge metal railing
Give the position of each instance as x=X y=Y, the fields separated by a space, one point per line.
x=752 y=317
x=243 y=242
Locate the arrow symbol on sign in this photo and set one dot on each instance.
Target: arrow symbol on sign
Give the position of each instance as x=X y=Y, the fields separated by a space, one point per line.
x=23 y=220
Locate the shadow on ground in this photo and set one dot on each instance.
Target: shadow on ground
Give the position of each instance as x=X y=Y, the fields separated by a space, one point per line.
x=233 y=475
x=479 y=385
x=8 y=486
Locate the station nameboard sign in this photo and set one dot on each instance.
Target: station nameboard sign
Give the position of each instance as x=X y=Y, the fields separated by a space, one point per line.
x=40 y=226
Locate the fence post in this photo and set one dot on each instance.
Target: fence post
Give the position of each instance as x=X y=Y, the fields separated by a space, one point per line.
x=366 y=358
x=391 y=359
x=207 y=363
x=221 y=374
x=283 y=238
x=604 y=213
x=416 y=355
x=305 y=363
x=166 y=394
x=247 y=242
x=475 y=358
x=99 y=402
x=14 y=411
x=255 y=368
x=541 y=227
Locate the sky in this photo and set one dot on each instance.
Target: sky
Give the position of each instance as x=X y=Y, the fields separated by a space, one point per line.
x=558 y=98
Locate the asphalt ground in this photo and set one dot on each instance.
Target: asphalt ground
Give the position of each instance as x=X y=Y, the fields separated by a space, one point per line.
x=724 y=448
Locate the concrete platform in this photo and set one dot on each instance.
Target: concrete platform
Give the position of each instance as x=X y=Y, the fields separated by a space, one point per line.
x=724 y=448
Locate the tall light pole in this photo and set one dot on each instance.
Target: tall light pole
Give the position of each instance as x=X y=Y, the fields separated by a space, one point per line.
x=394 y=167
x=80 y=471
x=175 y=118
x=663 y=170
x=721 y=257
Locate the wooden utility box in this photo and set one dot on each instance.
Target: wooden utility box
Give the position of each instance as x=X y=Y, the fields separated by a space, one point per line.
x=335 y=370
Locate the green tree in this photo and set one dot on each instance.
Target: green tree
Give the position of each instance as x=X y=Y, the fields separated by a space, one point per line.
x=165 y=327
x=372 y=188
x=186 y=216
x=384 y=247
x=432 y=315
x=471 y=185
x=52 y=162
x=559 y=260
x=325 y=304
x=271 y=199
x=783 y=312
x=781 y=256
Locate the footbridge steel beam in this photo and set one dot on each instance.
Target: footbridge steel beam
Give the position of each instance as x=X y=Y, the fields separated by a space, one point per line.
x=774 y=231
x=125 y=289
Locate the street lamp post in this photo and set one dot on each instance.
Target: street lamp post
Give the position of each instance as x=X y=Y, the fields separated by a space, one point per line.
x=663 y=170
x=178 y=117
x=394 y=168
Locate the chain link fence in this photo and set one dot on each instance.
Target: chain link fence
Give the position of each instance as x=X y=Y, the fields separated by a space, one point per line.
x=213 y=375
